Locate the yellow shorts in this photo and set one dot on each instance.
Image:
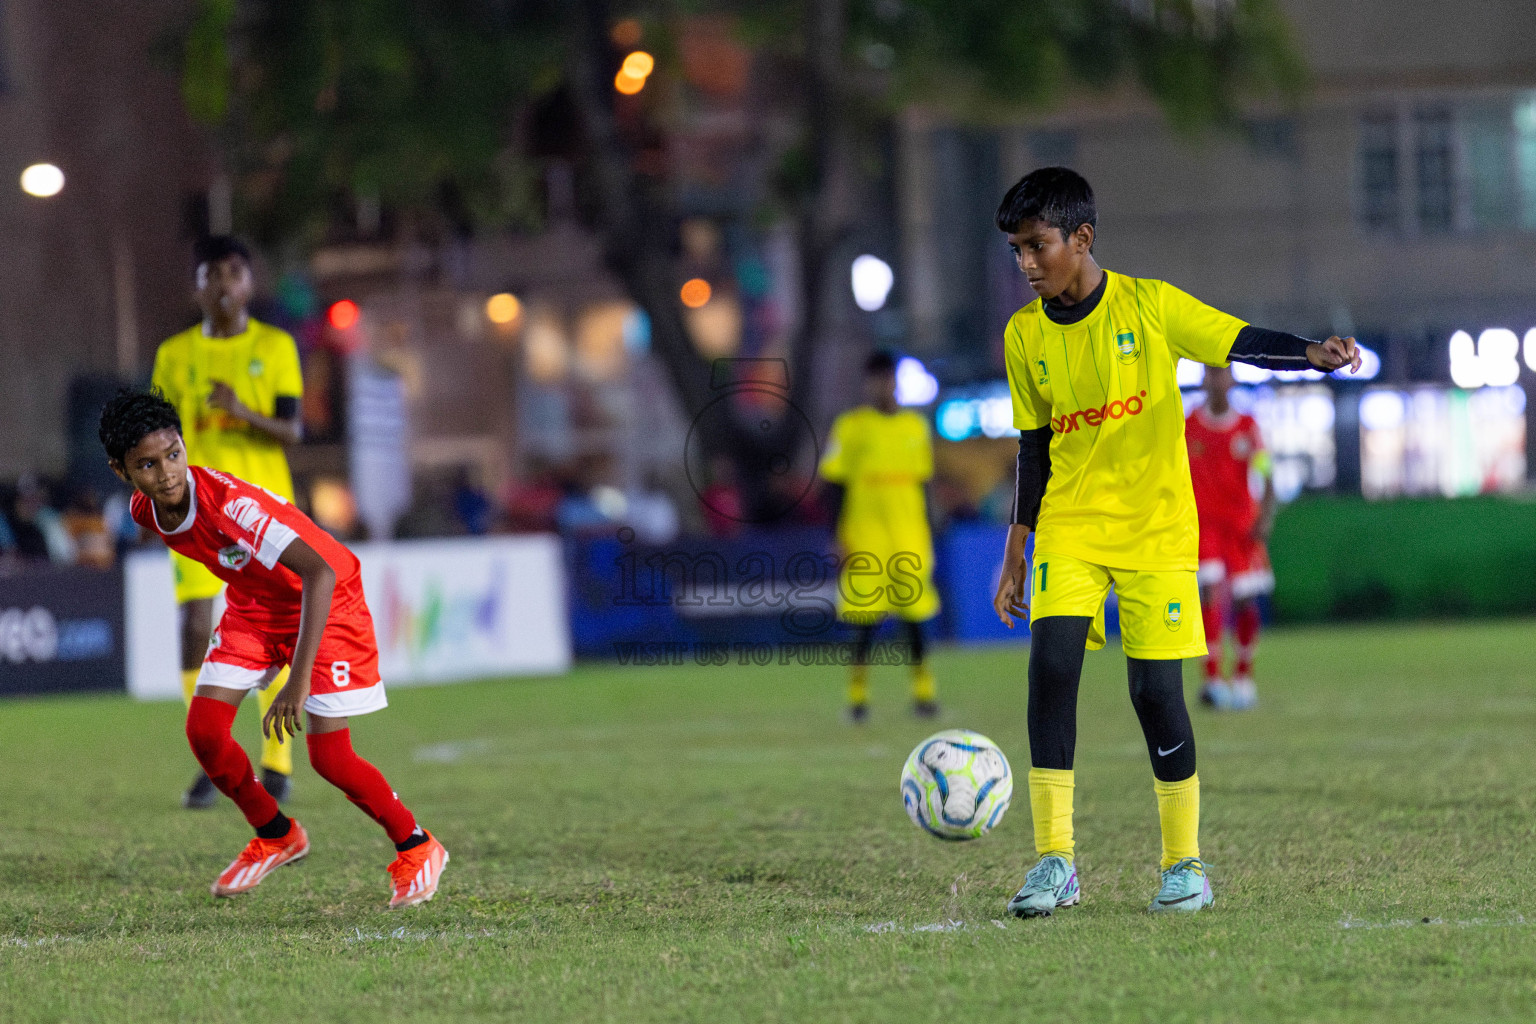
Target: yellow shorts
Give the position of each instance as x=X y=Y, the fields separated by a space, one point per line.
x=194 y=581
x=1159 y=609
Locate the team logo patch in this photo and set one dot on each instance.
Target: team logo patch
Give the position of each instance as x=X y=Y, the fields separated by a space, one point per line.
x=1173 y=615
x=234 y=557
x=1044 y=377
x=1126 y=347
x=257 y=367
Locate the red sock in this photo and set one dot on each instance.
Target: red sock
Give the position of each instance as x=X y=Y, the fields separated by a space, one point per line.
x=331 y=755
x=1247 y=637
x=1214 y=627
x=208 y=723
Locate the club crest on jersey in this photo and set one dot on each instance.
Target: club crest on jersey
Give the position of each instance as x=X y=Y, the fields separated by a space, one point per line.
x=1173 y=615
x=257 y=367
x=1126 y=347
x=1044 y=376
x=234 y=557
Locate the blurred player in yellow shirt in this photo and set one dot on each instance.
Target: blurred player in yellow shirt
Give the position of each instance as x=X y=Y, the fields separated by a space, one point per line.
x=878 y=458
x=236 y=384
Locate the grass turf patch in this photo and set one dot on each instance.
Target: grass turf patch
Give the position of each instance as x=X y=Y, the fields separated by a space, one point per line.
x=685 y=843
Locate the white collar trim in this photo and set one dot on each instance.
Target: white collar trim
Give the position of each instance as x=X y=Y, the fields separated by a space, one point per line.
x=186 y=524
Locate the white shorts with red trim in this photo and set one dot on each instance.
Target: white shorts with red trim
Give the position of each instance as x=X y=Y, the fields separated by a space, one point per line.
x=362 y=701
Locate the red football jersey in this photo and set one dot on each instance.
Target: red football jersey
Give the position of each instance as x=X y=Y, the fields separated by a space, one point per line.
x=1221 y=452
x=239 y=531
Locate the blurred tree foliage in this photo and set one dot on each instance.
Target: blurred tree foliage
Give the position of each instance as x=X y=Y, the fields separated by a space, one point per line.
x=432 y=109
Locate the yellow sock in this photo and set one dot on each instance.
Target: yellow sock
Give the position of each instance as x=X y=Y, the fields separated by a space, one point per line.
x=1050 y=801
x=858 y=685
x=189 y=684
x=1178 y=808
x=274 y=755
x=924 y=689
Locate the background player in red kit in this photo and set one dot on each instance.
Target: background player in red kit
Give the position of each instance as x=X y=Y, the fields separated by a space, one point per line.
x=1225 y=451
x=294 y=597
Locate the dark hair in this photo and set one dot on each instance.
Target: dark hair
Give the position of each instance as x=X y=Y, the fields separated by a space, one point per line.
x=880 y=361
x=217 y=247
x=1059 y=196
x=130 y=417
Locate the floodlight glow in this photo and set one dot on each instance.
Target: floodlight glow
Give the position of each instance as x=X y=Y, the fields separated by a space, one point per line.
x=1190 y=373
x=914 y=384
x=1530 y=348
x=956 y=419
x=872 y=281
x=639 y=65
x=1492 y=362
x=1382 y=410
x=42 y=181
x=1498 y=349
x=1466 y=368
x=1370 y=366
x=343 y=315
x=1245 y=373
x=503 y=308
x=996 y=417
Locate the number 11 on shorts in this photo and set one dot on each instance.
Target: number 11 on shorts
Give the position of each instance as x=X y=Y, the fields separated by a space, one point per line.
x=1040 y=571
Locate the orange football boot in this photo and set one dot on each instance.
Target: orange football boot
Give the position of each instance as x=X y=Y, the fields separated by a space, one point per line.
x=416 y=871
x=259 y=859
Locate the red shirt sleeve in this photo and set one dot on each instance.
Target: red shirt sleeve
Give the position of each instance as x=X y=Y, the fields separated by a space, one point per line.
x=250 y=516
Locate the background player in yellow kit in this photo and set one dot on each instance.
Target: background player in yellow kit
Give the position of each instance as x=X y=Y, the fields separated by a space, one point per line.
x=236 y=384
x=878 y=458
x=1103 y=481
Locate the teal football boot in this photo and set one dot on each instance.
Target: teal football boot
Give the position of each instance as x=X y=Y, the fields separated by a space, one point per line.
x=1185 y=888
x=1050 y=884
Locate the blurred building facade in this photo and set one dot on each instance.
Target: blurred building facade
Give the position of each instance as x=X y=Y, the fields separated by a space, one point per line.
x=94 y=277
x=1396 y=202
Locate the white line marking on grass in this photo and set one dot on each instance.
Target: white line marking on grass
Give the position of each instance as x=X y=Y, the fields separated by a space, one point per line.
x=42 y=940
x=940 y=926
x=412 y=935
x=1350 y=921
x=448 y=753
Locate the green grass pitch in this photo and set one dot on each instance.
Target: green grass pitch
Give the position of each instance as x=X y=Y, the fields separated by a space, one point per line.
x=700 y=844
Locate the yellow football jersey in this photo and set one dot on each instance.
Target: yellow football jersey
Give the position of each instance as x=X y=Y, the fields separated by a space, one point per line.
x=1119 y=493
x=883 y=462
x=261 y=364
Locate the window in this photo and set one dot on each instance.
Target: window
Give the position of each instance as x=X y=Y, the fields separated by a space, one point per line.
x=1379 y=200
x=1434 y=160
x=1525 y=158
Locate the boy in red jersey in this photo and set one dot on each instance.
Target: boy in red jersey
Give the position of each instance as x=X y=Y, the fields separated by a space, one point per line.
x=1225 y=449
x=294 y=597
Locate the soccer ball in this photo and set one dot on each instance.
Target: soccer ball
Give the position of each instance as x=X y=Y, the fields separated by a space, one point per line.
x=956 y=785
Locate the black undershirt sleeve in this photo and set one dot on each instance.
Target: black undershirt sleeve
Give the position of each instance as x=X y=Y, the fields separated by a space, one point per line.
x=1273 y=350
x=835 y=495
x=1034 y=469
x=285 y=408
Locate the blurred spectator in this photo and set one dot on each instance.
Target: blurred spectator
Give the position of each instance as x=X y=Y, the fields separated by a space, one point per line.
x=125 y=532
x=531 y=504
x=720 y=500
x=471 y=504
x=86 y=525
x=39 y=530
x=652 y=513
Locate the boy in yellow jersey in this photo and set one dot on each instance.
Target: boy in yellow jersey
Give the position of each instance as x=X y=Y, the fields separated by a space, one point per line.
x=878 y=458
x=1103 y=482
x=236 y=384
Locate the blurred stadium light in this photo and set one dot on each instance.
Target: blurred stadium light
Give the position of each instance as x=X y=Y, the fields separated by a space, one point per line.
x=42 y=180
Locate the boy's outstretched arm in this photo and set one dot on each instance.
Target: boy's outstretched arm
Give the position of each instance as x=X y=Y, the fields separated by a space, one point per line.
x=319 y=583
x=1277 y=350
